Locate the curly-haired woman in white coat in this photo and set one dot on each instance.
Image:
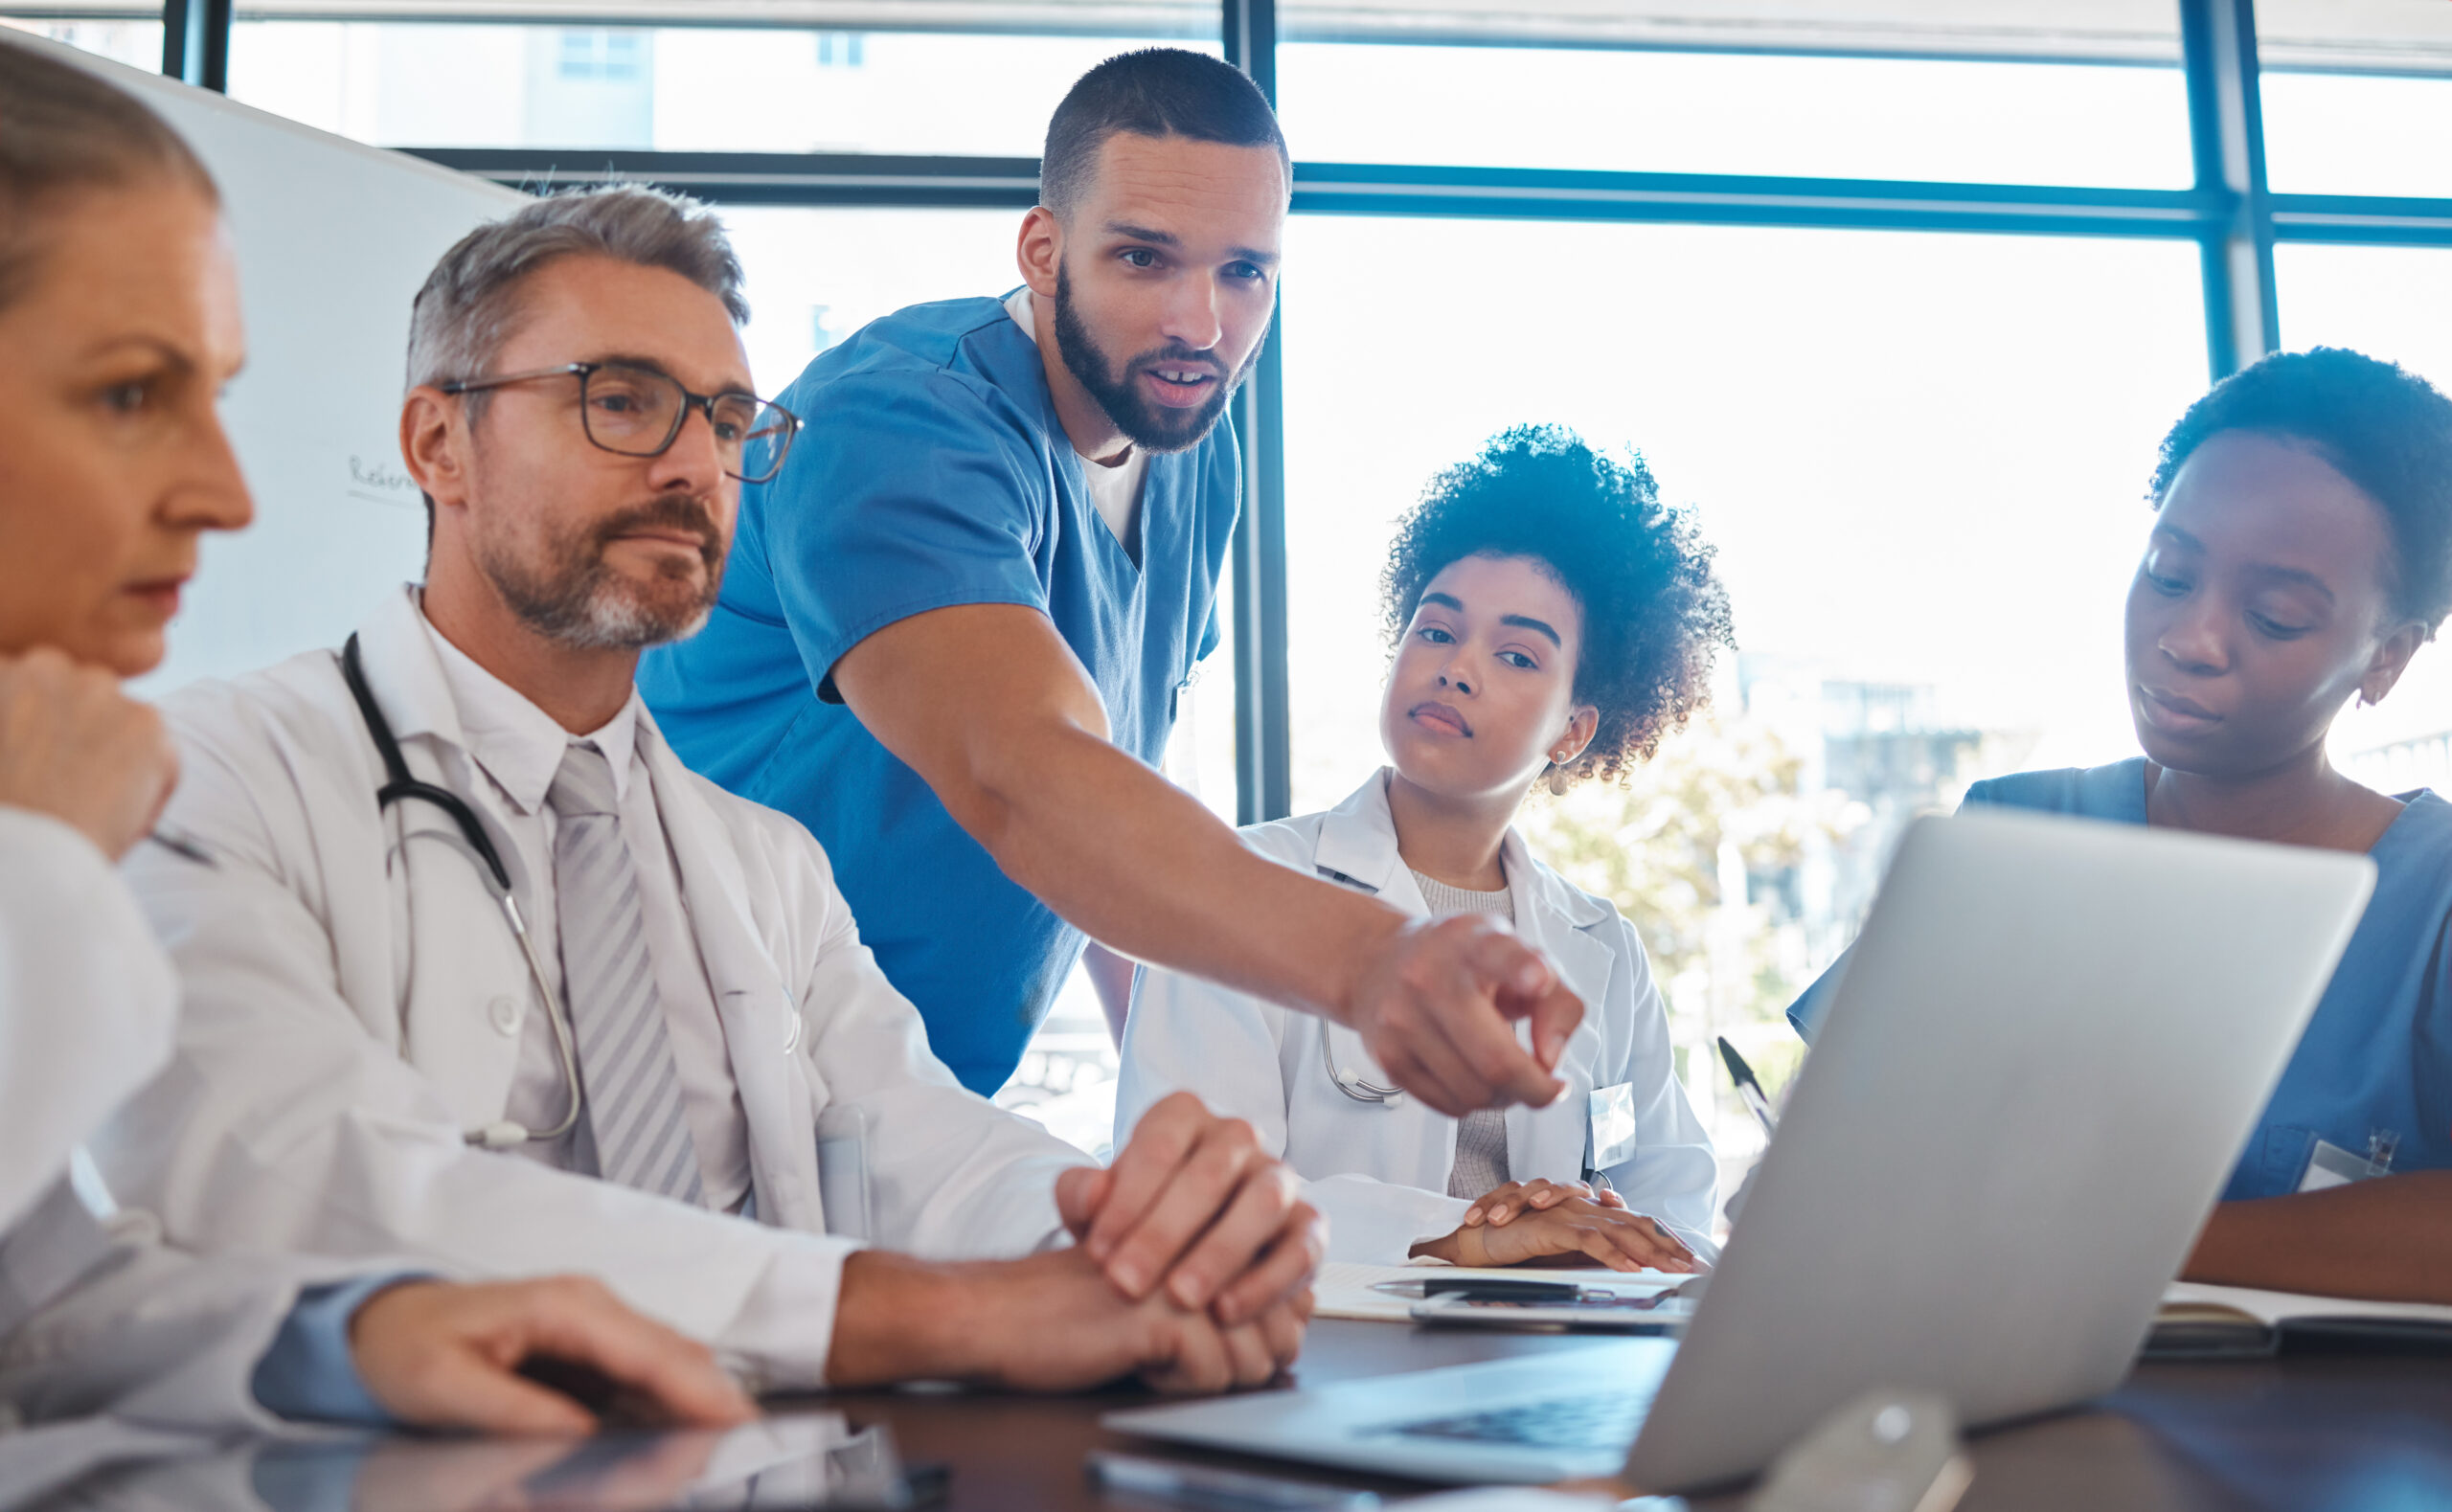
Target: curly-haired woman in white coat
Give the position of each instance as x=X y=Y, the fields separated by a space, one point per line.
x=1552 y=622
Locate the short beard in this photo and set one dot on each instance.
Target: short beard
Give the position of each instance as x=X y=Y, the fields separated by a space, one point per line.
x=1147 y=426
x=575 y=599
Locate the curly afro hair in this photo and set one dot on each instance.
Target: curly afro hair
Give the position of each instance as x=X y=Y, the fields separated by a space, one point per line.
x=2385 y=429
x=1654 y=615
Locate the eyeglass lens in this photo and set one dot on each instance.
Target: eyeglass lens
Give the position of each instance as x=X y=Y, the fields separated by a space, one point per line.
x=637 y=413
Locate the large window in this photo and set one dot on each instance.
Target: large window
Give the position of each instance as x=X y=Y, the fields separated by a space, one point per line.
x=1928 y=499
x=1898 y=295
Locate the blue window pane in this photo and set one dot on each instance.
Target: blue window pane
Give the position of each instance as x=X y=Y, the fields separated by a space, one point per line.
x=688 y=89
x=2357 y=97
x=1922 y=460
x=2358 y=134
x=1994 y=94
x=1921 y=456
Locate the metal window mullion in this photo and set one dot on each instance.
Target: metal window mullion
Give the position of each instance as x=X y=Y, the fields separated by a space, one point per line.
x=195 y=42
x=2226 y=128
x=1264 y=721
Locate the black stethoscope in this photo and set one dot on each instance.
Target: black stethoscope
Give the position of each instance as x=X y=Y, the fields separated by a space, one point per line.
x=478 y=847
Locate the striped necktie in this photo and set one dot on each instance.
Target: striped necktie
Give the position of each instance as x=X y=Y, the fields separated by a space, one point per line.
x=1480 y=1153
x=625 y=1051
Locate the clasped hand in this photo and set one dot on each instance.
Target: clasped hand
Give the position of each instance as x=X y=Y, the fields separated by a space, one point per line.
x=1527 y=1222
x=1193 y=1211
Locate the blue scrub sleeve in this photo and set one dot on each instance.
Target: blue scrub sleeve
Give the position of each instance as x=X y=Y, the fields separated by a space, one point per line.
x=1210 y=635
x=308 y=1374
x=906 y=493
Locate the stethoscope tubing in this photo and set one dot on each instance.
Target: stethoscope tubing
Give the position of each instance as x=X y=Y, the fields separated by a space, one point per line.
x=473 y=842
x=1351 y=1083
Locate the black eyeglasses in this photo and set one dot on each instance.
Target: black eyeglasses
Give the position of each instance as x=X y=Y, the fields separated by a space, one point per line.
x=639 y=411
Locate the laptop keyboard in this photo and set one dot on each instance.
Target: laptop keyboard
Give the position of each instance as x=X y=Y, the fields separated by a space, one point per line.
x=1583 y=1421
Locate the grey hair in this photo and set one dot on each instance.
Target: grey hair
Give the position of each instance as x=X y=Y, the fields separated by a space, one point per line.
x=471 y=305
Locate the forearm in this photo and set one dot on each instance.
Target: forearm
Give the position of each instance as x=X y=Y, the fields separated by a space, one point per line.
x=898 y=1319
x=2386 y=1240
x=1139 y=865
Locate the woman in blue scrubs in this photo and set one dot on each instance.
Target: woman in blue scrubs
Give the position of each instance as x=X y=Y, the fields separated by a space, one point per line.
x=2302 y=552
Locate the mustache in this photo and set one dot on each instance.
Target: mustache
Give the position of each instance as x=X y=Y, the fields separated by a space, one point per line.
x=1175 y=354
x=671 y=512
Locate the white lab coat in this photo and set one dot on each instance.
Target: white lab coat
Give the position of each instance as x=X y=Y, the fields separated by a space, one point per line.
x=354 y=1004
x=1380 y=1170
x=96 y=1315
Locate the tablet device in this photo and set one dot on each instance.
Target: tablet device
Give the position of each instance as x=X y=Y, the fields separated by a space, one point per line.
x=1660 y=1314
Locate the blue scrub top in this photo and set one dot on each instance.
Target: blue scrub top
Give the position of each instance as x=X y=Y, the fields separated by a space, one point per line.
x=2377 y=1055
x=933 y=471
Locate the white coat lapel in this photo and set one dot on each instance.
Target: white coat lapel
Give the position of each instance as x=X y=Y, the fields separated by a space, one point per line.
x=464 y=987
x=1357 y=846
x=1566 y=925
x=762 y=1019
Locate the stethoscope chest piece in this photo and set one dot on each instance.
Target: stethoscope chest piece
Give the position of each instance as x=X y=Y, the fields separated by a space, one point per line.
x=1350 y=1082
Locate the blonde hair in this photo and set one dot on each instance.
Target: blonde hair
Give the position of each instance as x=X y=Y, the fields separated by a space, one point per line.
x=63 y=130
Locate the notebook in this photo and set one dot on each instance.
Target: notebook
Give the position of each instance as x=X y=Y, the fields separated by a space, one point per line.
x=2198 y=1322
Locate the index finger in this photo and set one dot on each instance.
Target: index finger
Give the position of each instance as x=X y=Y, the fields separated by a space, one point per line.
x=1526 y=986
x=1478 y=1023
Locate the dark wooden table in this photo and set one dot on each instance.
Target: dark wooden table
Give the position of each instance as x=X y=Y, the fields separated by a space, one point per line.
x=2338 y=1432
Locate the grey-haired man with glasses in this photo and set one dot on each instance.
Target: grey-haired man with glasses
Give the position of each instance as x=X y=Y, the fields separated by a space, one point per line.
x=486 y=979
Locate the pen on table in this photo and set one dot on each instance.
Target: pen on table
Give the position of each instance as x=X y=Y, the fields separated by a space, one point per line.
x=1484 y=1289
x=1749 y=1089
x=179 y=843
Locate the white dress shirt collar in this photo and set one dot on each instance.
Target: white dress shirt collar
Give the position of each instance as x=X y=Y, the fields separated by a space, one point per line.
x=519 y=745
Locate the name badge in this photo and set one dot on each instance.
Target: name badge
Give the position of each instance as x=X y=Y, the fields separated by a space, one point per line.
x=2331 y=1166
x=1610 y=1134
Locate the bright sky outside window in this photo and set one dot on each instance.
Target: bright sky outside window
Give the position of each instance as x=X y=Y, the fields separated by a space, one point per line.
x=123 y=33
x=1965 y=90
x=1923 y=458
x=1911 y=478
x=2357 y=95
x=767 y=75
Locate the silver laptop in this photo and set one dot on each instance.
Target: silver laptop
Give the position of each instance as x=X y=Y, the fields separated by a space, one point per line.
x=2049 y=1044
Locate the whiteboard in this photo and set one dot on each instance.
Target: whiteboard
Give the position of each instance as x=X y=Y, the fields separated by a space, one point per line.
x=333 y=239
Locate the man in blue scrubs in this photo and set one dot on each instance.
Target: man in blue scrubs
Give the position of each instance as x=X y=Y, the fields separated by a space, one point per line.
x=955 y=626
